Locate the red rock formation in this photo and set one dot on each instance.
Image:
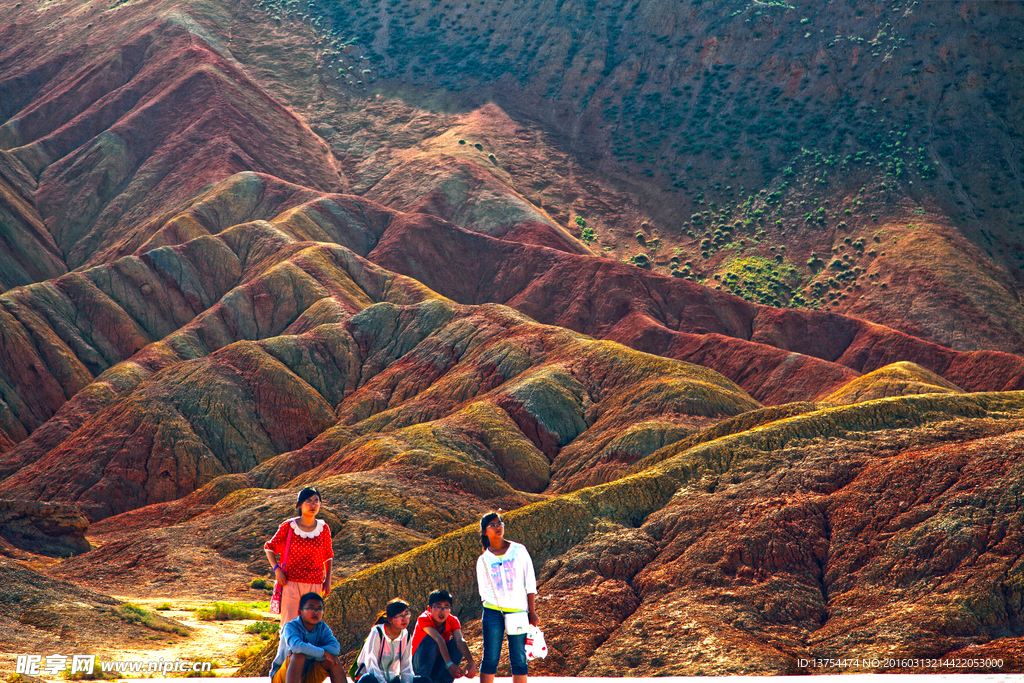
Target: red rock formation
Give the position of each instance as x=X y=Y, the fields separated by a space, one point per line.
x=462 y=192
x=898 y=379
x=386 y=368
x=677 y=318
x=28 y=253
x=848 y=541
x=43 y=528
x=115 y=122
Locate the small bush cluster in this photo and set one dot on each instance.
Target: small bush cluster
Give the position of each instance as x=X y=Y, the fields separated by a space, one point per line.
x=134 y=614
x=226 y=611
x=264 y=629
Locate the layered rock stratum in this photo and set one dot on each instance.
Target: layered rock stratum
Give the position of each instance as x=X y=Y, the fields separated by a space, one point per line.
x=720 y=304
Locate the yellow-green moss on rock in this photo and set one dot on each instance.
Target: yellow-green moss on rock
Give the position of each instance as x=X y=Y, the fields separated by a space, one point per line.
x=896 y=379
x=549 y=527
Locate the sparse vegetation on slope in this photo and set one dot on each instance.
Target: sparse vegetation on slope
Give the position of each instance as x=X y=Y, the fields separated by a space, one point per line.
x=808 y=445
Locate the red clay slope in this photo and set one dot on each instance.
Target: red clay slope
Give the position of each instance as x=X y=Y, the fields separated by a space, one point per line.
x=138 y=127
x=753 y=345
x=450 y=388
x=132 y=128
x=76 y=327
x=63 y=333
x=27 y=251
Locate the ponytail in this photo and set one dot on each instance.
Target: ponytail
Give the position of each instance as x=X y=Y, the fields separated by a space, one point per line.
x=392 y=610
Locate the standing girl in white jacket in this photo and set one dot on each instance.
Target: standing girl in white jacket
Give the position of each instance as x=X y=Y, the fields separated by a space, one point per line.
x=508 y=589
x=386 y=656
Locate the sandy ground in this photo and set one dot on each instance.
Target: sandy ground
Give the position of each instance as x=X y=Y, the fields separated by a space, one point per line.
x=218 y=642
x=211 y=641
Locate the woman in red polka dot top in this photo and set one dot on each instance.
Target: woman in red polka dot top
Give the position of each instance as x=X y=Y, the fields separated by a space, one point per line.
x=307 y=568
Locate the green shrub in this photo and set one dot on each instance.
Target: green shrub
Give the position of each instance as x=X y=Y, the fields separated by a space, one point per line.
x=134 y=614
x=587 y=234
x=226 y=611
x=771 y=282
x=641 y=261
x=262 y=627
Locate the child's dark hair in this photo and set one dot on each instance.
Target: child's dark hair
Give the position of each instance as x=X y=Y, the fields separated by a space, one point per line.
x=440 y=595
x=306 y=597
x=392 y=610
x=484 y=521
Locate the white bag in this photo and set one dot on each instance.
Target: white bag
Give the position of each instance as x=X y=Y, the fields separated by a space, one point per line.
x=517 y=623
x=536 y=648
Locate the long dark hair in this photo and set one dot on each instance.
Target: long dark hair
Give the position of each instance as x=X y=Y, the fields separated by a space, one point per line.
x=391 y=610
x=484 y=521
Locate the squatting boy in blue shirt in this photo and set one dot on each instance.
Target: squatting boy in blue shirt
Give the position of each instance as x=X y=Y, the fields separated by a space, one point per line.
x=308 y=652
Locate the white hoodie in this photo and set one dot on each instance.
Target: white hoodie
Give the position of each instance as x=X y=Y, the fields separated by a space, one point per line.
x=511 y=575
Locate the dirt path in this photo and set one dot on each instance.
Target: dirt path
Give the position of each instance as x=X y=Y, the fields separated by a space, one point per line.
x=219 y=642
x=62 y=607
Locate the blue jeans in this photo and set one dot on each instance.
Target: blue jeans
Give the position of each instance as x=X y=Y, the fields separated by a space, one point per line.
x=493 y=625
x=427 y=661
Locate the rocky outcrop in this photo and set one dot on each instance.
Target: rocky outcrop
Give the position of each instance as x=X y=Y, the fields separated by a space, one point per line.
x=44 y=528
x=897 y=379
x=777 y=355
x=28 y=253
x=483 y=395
x=750 y=552
x=43 y=614
x=240 y=284
x=729 y=140
x=120 y=118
